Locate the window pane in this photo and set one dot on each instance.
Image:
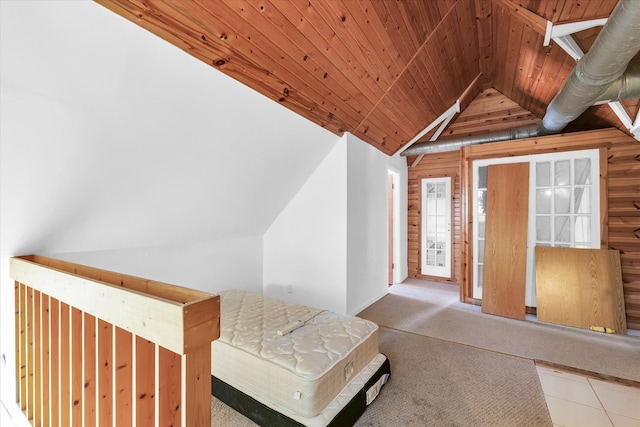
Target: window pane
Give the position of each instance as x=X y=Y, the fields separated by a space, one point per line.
x=431 y=191
x=482 y=176
x=583 y=171
x=430 y=222
x=481 y=251
x=543 y=174
x=442 y=205
x=440 y=258
x=582 y=229
x=431 y=241
x=482 y=202
x=562 y=229
x=561 y=200
x=562 y=173
x=582 y=200
x=441 y=190
x=431 y=257
x=479 y=279
x=543 y=228
x=543 y=201
x=481 y=222
x=431 y=207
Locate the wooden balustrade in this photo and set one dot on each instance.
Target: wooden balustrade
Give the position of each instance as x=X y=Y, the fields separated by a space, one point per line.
x=100 y=348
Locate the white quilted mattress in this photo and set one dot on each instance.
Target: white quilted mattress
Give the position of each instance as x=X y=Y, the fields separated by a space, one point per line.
x=288 y=356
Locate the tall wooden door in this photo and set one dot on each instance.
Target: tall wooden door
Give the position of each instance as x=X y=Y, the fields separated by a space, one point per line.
x=505 y=246
x=390 y=227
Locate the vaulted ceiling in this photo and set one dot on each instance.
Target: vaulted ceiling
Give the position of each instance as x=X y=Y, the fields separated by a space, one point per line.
x=382 y=70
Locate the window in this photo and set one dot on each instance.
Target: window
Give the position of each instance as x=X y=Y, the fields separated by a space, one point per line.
x=564 y=207
x=436 y=227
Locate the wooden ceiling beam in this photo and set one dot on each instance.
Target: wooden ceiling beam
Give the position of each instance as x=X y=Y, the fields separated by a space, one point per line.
x=528 y=18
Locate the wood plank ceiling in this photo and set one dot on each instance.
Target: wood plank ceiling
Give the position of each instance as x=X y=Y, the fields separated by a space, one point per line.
x=382 y=70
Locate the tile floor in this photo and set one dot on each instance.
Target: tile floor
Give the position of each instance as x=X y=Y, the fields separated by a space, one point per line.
x=578 y=401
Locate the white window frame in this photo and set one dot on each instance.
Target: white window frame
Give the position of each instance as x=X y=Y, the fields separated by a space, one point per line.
x=593 y=154
x=445 y=270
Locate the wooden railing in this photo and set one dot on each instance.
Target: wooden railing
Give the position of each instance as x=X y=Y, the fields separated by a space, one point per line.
x=96 y=347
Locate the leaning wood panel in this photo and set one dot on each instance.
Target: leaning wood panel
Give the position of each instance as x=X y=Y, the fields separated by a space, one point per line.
x=580 y=287
x=505 y=246
x=76 y=367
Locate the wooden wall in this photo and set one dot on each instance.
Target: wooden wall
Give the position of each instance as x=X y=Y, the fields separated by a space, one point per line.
x=620 y=205
x=432 y=166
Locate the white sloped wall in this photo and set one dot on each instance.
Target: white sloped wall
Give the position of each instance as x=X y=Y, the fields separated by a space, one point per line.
x=328 y=248
x=119 y=150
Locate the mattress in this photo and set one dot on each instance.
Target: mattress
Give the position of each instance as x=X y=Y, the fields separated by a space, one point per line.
x=295 y=359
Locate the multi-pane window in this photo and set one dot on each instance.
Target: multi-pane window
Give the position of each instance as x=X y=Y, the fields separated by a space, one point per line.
x=564 y=200
x=436 y=226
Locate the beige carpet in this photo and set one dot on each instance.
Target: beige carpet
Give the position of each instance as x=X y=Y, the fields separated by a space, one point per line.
x=432 y=309
x=438 y=383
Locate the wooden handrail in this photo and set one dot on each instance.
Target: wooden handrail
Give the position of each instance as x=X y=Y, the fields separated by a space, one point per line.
x=89 y=341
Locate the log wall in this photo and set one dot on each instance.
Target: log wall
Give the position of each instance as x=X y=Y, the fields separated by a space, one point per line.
x=620 y=202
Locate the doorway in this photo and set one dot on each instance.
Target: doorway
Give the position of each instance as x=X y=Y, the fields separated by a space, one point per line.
x=393 y=226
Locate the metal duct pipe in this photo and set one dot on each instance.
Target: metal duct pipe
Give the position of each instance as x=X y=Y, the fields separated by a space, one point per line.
x=453 y=144
x=615 y=46
x=626 y=87
x=598 y=77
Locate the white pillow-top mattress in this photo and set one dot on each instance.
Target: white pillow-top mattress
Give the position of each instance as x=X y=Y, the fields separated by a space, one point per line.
x=288 y=356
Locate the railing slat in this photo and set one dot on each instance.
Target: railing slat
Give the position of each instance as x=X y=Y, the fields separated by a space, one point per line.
x=29 y=325
x=170 y=388
x=21 y=357
x=46 y=361
x=124 y=378
x=105 y=375
x=65 y=362
x=54 y=352
x=37 y=360
x=90 y=326
x=145 y=382
x=76 y=367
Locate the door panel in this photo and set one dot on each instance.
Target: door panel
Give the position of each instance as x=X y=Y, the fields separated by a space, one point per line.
x=436 y=227
x=505 y=246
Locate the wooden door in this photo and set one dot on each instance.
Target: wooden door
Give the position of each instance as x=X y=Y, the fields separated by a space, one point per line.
x=505 y=247
x=390 y=226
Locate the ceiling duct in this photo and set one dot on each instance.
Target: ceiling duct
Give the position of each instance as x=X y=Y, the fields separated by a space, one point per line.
x=602 y=67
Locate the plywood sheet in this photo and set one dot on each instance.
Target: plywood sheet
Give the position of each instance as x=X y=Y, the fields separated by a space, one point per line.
x=580 y=287
x=505 y=246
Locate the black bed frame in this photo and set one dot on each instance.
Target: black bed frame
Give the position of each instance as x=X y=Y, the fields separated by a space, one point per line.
x=266 y=416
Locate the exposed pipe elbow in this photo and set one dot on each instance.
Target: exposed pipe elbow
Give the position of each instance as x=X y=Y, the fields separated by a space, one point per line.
x=606 y=61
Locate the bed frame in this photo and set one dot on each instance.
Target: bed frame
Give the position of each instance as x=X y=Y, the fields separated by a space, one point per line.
x=281 y=363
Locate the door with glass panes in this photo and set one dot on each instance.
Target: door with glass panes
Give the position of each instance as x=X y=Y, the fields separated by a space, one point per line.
x=564 y=207
x=436 y=227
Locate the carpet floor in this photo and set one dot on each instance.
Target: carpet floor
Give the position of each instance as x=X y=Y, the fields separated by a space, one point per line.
x=452 y=365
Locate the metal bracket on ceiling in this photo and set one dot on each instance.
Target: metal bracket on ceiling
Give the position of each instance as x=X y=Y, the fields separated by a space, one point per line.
x=443 y=121
x=561 y=34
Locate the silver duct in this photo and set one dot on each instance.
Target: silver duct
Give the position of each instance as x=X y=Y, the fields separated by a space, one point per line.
x=598 y=77
x=626 y=87
x=606 y=61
